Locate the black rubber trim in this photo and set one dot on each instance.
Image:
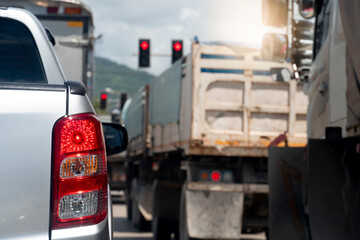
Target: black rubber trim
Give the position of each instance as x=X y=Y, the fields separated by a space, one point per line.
x=33 y=86
x=63 y=17
x=76 y=87
x=356 y=79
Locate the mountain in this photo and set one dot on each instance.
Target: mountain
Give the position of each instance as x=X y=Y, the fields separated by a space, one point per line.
x=118 y=77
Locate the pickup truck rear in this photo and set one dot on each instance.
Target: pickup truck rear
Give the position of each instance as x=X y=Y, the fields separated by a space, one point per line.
x=53 y=174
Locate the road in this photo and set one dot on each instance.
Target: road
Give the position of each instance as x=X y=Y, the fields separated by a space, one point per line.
x=123 y=230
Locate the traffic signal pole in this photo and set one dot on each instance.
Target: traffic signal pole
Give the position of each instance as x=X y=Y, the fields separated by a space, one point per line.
x=155 y=54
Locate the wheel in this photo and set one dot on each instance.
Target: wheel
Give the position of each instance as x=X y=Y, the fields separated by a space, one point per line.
x=183 y=230
x=128 y=197
x=128 y=207
x=161 y=229
x=267 y=234
x=137 y=218
x=165 y=211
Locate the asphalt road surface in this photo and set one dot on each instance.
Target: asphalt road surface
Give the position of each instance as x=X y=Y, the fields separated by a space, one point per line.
x=123 y=230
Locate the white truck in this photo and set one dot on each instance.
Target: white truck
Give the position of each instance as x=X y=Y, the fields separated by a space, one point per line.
x=71 y=24
x=318 y=197
x=198 y=138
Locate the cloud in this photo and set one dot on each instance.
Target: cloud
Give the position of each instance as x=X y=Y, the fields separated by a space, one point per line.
x=123 y=22
x=187 y=14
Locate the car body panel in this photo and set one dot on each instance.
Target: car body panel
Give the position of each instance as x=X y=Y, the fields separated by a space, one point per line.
x=28 y=114
x=27 y=118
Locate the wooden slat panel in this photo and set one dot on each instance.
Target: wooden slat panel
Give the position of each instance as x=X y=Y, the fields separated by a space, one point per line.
x=225 y=64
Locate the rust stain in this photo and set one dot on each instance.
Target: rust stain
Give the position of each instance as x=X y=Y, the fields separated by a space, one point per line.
x=292 y=144
x=227 y=143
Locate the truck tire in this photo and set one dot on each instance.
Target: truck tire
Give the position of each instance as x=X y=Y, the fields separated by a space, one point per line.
x=183 y=231
x=267 y=234
x=128 y=193
x=137 y=218
x=161 y=229
x=128 y=207
x=165 y=210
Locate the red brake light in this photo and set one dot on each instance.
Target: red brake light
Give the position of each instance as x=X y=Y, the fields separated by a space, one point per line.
x=144 y=45
x=79 y=182
x=53 y=10
x=215 y=176
x=177 y=46
x=78 y=136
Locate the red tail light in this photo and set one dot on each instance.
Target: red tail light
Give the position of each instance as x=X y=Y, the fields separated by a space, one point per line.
x=53 y=10
x=79 y=177
x=215 y=176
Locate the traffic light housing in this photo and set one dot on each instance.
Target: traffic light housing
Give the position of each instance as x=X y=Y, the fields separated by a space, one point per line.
x=144 y=53
x=302 y=47
x=177 y=50
x=103 y=100
x=123 y=98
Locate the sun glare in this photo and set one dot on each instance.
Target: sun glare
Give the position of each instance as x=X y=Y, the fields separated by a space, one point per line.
x=238 y=21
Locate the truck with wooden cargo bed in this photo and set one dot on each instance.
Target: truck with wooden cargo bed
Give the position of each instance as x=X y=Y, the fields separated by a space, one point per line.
x=198 y=138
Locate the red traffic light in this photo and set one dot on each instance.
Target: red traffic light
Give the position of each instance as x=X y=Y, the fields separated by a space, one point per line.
x=144 y=52
x=103 y=96
x=144 y=45
x=177 y=46
x=177 y=50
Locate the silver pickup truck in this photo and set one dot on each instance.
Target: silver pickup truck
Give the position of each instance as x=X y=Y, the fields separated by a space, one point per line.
x=53 y=176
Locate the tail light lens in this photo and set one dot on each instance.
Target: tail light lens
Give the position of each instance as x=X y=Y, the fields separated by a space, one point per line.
x=53 y=10
x=216 y=176
x=224 y=176
x=228 y=176
x=204 y=175
x=79 y=177
x=72 y=10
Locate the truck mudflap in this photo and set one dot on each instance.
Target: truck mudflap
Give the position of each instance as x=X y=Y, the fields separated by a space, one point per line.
x=334 y=189
x=145 y=201
x=215 y=210
x=287 y=219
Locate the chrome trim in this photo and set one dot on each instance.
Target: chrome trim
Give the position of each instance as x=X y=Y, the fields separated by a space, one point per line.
x=93 y=232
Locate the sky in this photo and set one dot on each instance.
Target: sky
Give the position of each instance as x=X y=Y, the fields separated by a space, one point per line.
x=123 y=22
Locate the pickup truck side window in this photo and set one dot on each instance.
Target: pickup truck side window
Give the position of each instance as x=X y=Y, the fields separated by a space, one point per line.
x=322 y=25
x=19 y=57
